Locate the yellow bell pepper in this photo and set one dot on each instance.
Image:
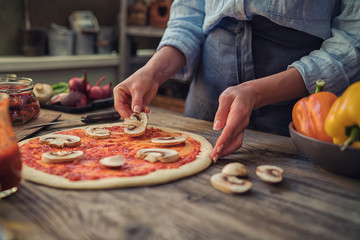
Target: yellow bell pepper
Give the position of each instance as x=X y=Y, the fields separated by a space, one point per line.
x=343 y=120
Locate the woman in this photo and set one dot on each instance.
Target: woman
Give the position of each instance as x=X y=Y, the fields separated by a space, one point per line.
x=249 y=61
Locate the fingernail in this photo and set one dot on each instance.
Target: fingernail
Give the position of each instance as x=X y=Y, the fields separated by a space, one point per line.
x=219 y=148
x=215 y=158
x=137 y=109
x=217 y=125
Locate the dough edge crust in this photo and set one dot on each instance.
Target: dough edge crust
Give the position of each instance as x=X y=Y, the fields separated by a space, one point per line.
x=154 y=178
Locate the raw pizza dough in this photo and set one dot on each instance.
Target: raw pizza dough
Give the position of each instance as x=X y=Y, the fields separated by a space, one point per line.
x=157 y=177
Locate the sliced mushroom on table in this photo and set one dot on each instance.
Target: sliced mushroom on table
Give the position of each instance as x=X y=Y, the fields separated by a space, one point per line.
x=269 y=173
x=235 y=169
x=60 y=140
x=230 y=184
x=158 y=154
x=136 y=124
x=62 y=156
x=97 y=132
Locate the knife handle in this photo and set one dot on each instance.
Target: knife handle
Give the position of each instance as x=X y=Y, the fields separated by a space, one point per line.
x=101 y=117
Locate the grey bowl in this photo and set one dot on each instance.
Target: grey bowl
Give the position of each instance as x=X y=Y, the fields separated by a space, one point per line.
x=328 y=155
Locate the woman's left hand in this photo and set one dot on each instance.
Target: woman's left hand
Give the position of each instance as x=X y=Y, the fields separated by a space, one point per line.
x=233 y=114
x=237 y=102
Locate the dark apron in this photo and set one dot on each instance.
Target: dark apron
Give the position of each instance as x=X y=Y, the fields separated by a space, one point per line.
x=237 y=51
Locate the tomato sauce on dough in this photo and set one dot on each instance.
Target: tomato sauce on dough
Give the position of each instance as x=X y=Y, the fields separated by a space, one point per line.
x=94 y=150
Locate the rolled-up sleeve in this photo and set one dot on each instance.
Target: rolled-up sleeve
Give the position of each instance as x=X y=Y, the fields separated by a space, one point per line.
x=338 y=60
x=184 y=31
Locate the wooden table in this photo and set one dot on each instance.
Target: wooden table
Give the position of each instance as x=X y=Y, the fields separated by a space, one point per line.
x=309 y=204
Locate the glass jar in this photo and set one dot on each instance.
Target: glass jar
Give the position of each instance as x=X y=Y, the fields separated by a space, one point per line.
x=10 y=158
x=23 y=104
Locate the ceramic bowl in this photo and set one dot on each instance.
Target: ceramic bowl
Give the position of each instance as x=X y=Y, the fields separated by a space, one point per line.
x=328 y=155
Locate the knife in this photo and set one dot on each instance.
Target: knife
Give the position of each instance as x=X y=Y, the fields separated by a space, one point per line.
x=107 y=116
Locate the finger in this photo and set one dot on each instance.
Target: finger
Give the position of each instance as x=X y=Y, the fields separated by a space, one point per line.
x=121 y=102
x=235 y=124
x=225 y=139
x=146 y=109
x=214 y=155
x=234 y=145
x=222 y=149
x=225 y=101
x=137 y=98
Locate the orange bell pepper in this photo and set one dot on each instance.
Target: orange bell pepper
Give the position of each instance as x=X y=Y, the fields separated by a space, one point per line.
x=309 y=113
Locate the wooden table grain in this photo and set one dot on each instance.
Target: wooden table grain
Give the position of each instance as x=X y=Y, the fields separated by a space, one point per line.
x=310 y=203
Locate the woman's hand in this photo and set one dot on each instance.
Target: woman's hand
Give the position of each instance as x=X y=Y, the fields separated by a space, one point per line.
x=233 y=114
x=136 y=92
x=236 y=104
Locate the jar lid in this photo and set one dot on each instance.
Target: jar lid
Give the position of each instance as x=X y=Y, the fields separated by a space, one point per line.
x=11 y=85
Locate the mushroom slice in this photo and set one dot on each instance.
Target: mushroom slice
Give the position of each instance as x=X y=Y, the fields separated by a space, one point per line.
x=60 y=140
x=269 y=173
x=235 y=169
x=61 y=156
x=97 y=132
x=158 y=154
x=168 y=141
x=113 y=161
x=230 y=184
x=136 y=124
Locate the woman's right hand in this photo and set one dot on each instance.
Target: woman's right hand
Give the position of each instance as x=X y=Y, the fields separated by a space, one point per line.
x=136 y=92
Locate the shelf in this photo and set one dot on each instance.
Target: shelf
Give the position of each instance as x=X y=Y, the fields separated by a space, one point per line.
x=22 y=63
x=144 y=31
x=127 y=33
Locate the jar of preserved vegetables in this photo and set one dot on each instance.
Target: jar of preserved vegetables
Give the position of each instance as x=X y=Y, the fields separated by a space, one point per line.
x=23 y=104
x=10 y=157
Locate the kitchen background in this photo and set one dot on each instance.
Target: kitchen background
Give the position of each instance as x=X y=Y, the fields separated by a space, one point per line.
x=131 y=33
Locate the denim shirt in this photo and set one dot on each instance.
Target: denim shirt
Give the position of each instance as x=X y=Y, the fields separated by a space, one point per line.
x=337 y=22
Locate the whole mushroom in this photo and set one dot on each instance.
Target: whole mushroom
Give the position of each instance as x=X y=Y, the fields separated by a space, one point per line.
x=43 y=92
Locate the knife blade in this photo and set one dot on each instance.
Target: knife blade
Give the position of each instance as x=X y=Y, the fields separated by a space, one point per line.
x=108 y=116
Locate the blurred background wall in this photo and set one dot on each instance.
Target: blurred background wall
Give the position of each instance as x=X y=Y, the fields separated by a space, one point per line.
x=44 y=12
x=11 y=21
